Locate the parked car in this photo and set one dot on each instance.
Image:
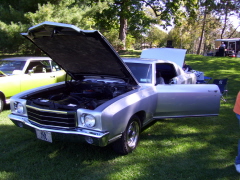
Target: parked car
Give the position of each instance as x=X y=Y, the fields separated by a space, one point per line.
x=18 y=74
x=103 y=103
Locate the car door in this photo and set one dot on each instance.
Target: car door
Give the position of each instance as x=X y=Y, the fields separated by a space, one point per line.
x=38 y=74
x=10 y=85
x=183 y=100
x=58 y=72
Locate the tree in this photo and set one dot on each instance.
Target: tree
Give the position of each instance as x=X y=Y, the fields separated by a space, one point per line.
x=129 y=15
x=65 y=11
x=172 y=10
x=155 y=37
x=130 y=19
x=126 y=15
x=225 y=9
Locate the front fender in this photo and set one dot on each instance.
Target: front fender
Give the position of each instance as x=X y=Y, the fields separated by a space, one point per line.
x=115 y=117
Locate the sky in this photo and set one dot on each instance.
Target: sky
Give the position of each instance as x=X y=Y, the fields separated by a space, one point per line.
x=235 y=21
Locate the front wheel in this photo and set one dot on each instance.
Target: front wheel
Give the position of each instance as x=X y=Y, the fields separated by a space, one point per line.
x=130 y=137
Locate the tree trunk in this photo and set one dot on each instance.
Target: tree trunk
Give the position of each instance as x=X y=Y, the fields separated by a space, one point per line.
x=225 y=23
x=123 y=31
x=203 y=29
x=123 y=21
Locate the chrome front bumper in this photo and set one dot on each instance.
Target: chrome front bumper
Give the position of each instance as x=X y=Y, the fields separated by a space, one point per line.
x=99 y=138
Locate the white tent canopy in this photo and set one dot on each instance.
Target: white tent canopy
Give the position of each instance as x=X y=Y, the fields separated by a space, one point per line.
x=228 y=40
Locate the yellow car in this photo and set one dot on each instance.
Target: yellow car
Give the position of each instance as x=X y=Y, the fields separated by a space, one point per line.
x=18 y=74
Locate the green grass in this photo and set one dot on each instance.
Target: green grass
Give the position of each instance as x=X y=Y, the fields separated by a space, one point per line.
x=201 y=148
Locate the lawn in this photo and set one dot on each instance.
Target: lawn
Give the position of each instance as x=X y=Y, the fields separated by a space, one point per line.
x=186 y=148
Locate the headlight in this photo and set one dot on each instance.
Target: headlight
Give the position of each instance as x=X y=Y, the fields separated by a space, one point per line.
x=18 y=107
x=88 y=120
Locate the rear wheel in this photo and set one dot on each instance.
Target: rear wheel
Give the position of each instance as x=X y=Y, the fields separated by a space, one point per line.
x=130 y=137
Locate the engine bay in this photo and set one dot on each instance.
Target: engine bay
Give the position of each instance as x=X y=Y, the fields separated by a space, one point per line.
x=78 y=94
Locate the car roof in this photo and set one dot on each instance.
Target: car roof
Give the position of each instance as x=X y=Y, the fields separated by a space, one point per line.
x=26 y=58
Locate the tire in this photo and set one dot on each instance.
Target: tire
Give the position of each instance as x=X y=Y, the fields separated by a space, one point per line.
x=130 y=137
x=1 y=104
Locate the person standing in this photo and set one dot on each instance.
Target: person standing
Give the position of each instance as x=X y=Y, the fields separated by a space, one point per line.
x=222 y=49
x=223 y=45
x=236 y=109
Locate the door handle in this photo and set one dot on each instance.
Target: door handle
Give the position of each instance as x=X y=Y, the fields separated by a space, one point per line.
x=52 y=76
x=212 y=91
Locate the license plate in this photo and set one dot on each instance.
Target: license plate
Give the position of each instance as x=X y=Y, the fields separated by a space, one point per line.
x=44 y=135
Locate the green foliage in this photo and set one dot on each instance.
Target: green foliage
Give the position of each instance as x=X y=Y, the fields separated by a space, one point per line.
x=65 y=12
x=10 y=37
x=112 y=37
x=155 y=37
x=137 y=20
x=130 y=41
x=10 y=14
x=173 y=10
x=105 y=15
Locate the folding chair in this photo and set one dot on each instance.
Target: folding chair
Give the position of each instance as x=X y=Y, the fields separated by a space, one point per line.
x=222 y=84
x=205 y=81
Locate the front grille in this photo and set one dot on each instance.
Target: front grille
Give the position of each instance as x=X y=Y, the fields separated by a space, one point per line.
x=45 y=117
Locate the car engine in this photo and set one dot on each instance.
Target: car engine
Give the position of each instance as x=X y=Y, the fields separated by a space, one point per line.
x=75 y=95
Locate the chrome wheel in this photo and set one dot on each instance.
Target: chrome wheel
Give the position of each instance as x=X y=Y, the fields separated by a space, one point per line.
x=133 y=134
x=130 y=137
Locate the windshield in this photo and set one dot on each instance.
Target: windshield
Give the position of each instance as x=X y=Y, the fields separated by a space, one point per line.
x=142 y=72
x=8 y=67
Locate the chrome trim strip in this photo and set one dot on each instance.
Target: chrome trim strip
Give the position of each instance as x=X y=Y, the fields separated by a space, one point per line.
x=148 y=121
x=115 y=138
x=184 y=116
x=46 y=110
x=77 y=131
x=63 y=127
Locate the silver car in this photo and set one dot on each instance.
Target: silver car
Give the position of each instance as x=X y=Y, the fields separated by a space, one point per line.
x=103 y=102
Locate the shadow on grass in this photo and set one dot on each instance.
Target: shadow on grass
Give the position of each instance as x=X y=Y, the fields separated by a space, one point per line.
x=187 y=148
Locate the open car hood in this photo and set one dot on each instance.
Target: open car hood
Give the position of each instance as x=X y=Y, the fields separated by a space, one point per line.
x=170 y=54
x=79 y=52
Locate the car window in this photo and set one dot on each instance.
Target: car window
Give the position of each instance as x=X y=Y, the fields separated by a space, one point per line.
x=142 y=72
x=46 y=64
x=55 y=66
x=8 y=67
x=167 y=70
x=41 y=66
